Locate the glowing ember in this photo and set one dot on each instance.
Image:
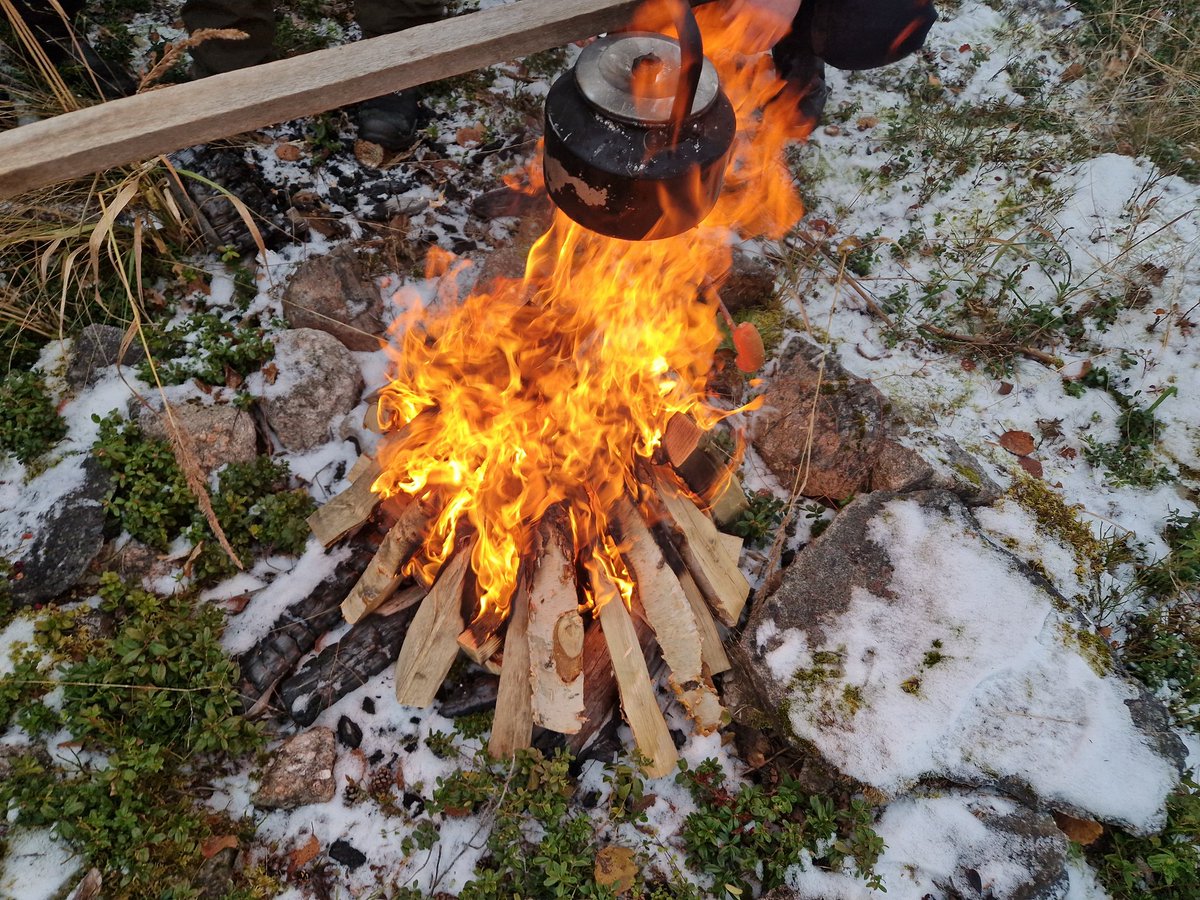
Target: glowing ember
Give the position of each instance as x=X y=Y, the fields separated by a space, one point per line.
x=553 y=387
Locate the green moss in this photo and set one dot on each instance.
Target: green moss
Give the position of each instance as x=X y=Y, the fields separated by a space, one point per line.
x=772 y=322
x=968 y=473
x=911 y=685
x=852 y=697
x=1059 y=520
x=1091 y=646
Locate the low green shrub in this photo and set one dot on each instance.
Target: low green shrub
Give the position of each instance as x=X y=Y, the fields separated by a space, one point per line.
x=29 y=423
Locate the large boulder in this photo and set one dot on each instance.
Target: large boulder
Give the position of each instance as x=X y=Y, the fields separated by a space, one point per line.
x=219 y=433
x=954 y=844
x=316 y=380
x=903 y=645
x=333 y=293
x=846 y=432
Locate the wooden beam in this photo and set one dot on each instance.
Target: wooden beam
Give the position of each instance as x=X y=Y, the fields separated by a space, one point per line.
x=349 y=509
x=670 y=615
x=137 y=128
x=720 y=580
x=432 y=640
x=512 y=726
x=555 y=628
x=382 y=576
x=633 y=679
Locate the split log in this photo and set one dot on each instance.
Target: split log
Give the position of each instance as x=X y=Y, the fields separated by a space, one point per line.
x=296 y=632
x=512 y=726
x=708 y=476
x=680 y=438
x=481 y=639
x=382 y=575
x=719 y=579
x=733 y=546
x=670 y=615
x=555 y=627
x=712 y=648
x=638 y=702
x=349 y=509
x=432 y=641
x=728 y=505
x=364 y=651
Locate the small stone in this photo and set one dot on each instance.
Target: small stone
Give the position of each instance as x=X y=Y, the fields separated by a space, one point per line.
x=832 y=130
x=368 y=706
x=750 y=282
x=318 y=380
x=348 y=732
x=348 y=856
x=846 y=430
x=219 y=433
x=333 y=293
x=96 y=348
x=300 y=773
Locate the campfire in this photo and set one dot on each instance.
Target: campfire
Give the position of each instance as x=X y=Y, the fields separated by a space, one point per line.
x=533 y=435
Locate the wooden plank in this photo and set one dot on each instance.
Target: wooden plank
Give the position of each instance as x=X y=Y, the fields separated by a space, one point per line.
x=432 y=640
x=555 y=628
x=136 y=128
x=670 y=615
x=680 y=438
x=730 y=503
x=382 y=576
x=712 y=648
x=638 y=702
x=722 y=583
x=349 y=509
x=512 y=727
x=732 y=544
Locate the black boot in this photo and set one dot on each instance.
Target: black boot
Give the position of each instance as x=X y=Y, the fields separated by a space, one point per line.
x=391 y=120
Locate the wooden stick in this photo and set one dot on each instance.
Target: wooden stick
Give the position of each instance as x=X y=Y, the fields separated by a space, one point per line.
x=349 y=509
x=432 y=640
x=146 y=125
x=481 y=638
x=638 y=702
x=382 y=576
x=719 y=579
x=670 y=615
x=555 y=628
x=712 y=649
x=512 y=727
x=680 y=438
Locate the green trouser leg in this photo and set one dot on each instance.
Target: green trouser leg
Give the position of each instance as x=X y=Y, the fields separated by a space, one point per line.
x=376 y=17
x=255 y=17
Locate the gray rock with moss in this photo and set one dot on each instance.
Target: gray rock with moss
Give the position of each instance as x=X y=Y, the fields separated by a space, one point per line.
x=300 y=772
x=332 y=293
x=905 y=645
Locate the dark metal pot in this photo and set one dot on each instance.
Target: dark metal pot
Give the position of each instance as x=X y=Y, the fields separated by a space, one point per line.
x=644 y=165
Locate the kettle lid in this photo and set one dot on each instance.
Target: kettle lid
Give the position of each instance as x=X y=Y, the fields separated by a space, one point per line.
x=606 y=70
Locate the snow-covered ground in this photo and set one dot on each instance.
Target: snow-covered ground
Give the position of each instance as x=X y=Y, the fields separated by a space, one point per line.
x=1071 y=225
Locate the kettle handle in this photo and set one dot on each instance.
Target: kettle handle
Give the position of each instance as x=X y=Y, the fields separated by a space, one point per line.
x=691 y=63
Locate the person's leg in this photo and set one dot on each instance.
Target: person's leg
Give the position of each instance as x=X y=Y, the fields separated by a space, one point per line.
x=391 y=120
x=64 y=45
x=798 y=64
x=865 y=34
x=255 y=17
x=376 y=17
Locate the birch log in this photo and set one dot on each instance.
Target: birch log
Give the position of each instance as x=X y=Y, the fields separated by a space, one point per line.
x=432 y=640
x=555 y=628
x=382 y=576
x=512 y=726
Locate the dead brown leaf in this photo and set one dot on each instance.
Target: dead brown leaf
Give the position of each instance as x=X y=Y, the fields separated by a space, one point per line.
x=369 y=154
x=616 y=868
x=287 y=152
x=305 y=853
x=270 y=372
x=1081 y=831
x=216 y=844
x=865 y=122
x=1018 y=443
x=472 y=134
x=1030 y=465
x=1005 y=388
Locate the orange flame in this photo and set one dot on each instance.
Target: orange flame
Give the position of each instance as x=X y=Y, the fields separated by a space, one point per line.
x=551 y=388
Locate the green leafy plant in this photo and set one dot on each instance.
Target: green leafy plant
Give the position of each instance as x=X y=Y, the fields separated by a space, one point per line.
x=735 y=835
x=156 y=706
x=760 y=519
x=1165 y=865
x=206 y=346
x=29 y=423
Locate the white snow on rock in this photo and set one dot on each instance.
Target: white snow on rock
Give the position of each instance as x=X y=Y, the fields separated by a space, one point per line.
x=1011 y=695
